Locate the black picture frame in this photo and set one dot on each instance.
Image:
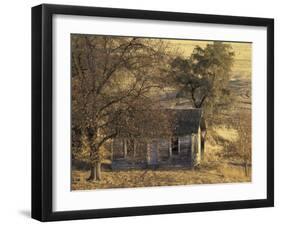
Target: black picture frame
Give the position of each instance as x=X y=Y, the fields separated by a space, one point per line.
x=42 y=111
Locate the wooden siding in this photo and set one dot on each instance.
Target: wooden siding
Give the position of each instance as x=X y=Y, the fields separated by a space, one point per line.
x=185 y=148
x=156 y=153
x=117 y=146
x=196 y=148
x=164 y=149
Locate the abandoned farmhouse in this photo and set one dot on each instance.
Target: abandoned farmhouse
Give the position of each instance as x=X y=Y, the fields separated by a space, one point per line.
x=185 y=148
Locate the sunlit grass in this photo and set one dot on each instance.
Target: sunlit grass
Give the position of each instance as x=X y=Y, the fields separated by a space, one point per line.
x=150 y=178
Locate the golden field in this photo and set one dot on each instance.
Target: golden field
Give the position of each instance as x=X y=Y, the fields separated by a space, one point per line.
x=223 y=173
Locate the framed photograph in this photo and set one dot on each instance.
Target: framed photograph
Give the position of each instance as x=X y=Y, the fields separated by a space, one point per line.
x=146 y=112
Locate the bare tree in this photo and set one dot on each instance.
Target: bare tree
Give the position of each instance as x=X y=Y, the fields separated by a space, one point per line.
x=114 y=80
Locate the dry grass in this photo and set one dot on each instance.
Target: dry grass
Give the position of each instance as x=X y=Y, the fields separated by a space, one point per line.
x=214 y=169
x=149 y=178
x=227 y=134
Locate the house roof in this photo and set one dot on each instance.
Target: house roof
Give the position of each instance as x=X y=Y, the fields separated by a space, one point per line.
x=185 y=121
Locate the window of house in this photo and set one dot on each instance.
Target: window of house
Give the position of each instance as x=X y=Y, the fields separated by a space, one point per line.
x=175 y=146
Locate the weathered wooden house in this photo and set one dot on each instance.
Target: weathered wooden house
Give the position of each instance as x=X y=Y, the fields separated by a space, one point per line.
x=184 y=148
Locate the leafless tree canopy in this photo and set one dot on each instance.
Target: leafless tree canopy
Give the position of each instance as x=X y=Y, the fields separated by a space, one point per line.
x=113 y=82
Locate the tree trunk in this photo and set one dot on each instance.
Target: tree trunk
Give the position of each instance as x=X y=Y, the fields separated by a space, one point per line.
x=98 y=170
x=95 y=174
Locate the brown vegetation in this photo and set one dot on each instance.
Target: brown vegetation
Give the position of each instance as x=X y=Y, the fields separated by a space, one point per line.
x=140 y=178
